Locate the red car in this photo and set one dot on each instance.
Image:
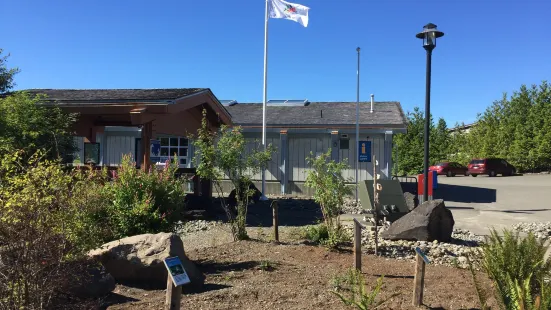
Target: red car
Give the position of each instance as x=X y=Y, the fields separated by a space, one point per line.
x=450 y=169
x=491 y=167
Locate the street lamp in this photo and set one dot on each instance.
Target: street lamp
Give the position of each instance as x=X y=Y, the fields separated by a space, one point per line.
x=429 y=36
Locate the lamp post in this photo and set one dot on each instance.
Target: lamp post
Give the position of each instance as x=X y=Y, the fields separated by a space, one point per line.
x=429 y=36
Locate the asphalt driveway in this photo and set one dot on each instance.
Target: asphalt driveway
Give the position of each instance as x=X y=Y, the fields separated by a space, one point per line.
x=483 y=202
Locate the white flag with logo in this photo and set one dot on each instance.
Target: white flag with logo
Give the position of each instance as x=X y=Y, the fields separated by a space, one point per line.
x=288 y=10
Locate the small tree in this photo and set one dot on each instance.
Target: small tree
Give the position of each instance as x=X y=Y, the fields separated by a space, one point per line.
x=225 y=152
x=27 y=125
x=329 y=190
x=6 y=75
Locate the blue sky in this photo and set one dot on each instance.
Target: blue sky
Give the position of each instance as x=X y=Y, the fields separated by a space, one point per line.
x=489 y=47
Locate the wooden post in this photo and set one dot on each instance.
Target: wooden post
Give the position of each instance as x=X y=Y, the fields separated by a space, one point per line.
x=357 y=245
x=173 y=295
x=147 y=131
x=419 y=281
x=276 y=221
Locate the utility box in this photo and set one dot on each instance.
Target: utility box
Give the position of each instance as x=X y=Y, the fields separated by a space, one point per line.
x=392 y=203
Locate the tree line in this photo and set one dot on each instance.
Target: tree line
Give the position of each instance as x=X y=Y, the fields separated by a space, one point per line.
x=516 y=128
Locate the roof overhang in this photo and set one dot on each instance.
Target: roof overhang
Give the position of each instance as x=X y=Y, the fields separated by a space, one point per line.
x=142 y=111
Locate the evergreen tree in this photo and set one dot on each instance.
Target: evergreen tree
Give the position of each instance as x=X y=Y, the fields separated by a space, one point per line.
x=6 y=75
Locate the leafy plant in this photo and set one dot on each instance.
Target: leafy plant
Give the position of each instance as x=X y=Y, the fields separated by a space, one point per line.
x=6 y=75
x=45 y=226
x=143 y=201
x=519 y=268
x=27 y=125
x=225 y=152
x=360 y=297
x=329 y=191
x=320 y=234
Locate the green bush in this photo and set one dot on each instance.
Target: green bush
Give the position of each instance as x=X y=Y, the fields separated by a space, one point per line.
x=519 y=268
x=330 y=189
x=44 y=225
x=27 y=125
x=320 y=234
x=316 y=233
x=143 y=201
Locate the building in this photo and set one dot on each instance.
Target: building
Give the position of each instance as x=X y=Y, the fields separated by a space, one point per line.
x=114 y=122
x=464 y=128
x=298 y=127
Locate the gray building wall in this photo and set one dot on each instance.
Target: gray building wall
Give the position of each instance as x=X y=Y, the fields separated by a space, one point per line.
x=288 y=169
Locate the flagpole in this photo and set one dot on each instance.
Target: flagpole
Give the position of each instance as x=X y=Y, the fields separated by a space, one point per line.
x=357 y=122
x=265 y=96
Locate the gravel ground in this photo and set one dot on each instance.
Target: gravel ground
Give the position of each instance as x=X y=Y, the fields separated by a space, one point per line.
x=541 y=230
x=464 y=243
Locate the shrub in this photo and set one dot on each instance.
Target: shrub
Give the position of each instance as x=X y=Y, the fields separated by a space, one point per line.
x=360 y=297
x=25 y=124
x=519 y=268
x=320 y=234
x=329 y=191
x=43 y=227
x=142 y=202
x=226 y=152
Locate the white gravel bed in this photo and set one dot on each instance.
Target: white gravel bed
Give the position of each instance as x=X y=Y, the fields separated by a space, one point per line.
x=541 y=230
x=454 y=254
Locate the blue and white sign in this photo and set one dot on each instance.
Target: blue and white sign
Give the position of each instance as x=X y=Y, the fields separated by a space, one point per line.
x=364 y=151
x=423 y=256
x=155 y=150
x=176 y=271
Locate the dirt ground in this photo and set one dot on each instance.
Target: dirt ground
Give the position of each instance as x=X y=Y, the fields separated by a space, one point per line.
x=300 y=277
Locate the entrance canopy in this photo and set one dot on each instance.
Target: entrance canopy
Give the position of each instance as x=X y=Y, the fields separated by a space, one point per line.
x=176 y=111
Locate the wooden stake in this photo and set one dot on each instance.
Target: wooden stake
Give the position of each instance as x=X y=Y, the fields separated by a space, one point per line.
x=173 y=295
x=357 y=245
x=276 y=221
x=419 y=281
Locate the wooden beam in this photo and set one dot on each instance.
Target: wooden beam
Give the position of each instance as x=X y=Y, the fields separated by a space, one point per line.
x=147 y=130
x=276 y=221
x=419 y=281
x=173 y=295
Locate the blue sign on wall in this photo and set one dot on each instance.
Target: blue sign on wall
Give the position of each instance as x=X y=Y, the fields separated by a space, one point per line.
x=155 y=150
x=364 y=151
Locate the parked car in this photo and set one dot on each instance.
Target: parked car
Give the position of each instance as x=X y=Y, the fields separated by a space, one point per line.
x=449 y=169
x=491 y=167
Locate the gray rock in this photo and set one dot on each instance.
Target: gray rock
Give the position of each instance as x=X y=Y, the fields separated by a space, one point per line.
x=411 y=200
x=138 y=260
x=429 y=221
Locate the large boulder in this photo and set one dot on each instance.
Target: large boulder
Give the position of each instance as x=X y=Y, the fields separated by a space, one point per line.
x=138 y=260
x=429 y=221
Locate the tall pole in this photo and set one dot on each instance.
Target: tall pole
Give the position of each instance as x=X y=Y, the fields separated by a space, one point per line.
x=357 y=122
x=265 y=96
x=427 y=126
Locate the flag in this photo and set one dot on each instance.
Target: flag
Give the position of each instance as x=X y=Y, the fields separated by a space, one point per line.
x=288 y=10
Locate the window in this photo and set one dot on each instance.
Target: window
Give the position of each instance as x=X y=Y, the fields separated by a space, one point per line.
x=345 y=144
x=174 y=146
x=91 y=153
